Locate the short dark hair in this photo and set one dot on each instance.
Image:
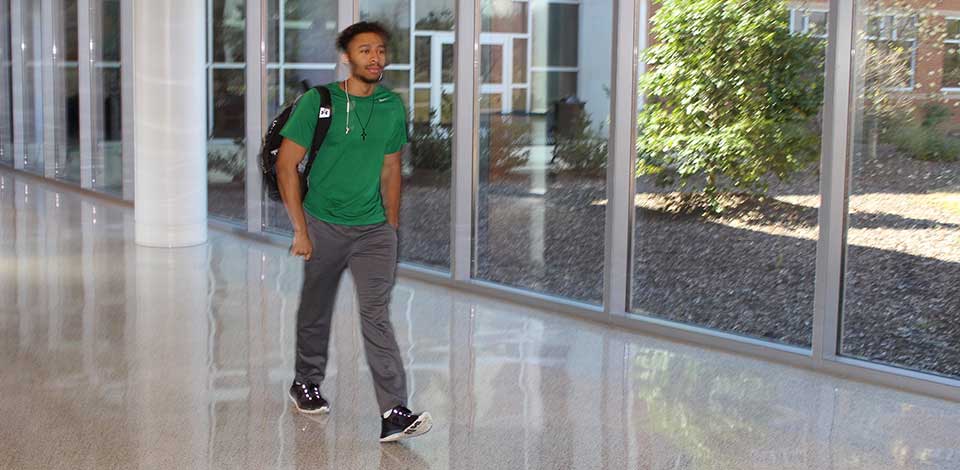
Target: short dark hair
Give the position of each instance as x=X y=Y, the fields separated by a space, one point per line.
x=347 y=35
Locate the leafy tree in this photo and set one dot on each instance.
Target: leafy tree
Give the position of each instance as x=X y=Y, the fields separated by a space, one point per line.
x=732 y=96
x=895 y=34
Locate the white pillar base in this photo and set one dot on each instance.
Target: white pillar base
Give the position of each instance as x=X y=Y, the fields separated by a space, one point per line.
x=170 y=236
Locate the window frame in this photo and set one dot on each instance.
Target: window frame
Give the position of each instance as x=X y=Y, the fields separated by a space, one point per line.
x=956 y=43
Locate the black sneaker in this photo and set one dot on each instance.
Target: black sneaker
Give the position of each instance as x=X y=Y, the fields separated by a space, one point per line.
x=401 y=423
x=307 y=399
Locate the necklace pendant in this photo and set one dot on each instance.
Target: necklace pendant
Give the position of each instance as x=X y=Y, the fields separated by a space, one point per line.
x=363 y=135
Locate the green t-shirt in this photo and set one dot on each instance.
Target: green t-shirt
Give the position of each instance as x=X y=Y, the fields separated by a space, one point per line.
x=345 y=178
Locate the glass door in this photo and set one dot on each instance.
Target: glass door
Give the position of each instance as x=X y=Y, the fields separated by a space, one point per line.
x=496 y=81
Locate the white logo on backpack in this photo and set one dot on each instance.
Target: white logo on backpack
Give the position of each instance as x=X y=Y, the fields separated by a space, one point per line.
x=324 y=113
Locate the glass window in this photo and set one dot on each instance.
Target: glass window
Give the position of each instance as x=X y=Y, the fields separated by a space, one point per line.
x=435 y=15
x=310 y=31
x=32 y=82
x=491 y=63
x=67 y=86
x=228 y=31
x=520 y=100
x=226 y=144
x=298 y=80
x=540 y=214
x=302 y=53
x=425 y=205
x=399 y=82
x=503 y=16
x=891 y=41
x=727 y=192
x=520 y=61
x=6 y=86
x=817 y=24
x=809 y=21
x=951 y=54
x=395 y=16
x=549 y=88
x=421 y=106
x=556 y=31
x=901 y=296
x=447 y=57
x=106 y=96
x=422 y=66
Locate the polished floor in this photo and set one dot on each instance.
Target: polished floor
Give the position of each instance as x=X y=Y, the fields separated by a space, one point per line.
x=118 y=356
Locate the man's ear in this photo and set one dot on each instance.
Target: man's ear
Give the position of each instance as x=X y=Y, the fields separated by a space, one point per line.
x=344 y=58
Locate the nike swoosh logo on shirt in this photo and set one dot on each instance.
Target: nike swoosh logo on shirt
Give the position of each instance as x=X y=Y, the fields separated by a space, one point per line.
x=381 y=100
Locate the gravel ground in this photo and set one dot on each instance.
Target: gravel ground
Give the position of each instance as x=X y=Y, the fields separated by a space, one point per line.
x=750 y=271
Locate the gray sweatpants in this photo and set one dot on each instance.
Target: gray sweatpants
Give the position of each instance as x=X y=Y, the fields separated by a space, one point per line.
x=370 y=251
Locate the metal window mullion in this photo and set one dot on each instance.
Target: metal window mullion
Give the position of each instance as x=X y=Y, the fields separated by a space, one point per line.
x=529 y=59
x=306 y=66
x=128 y=106
x=621 y=157
x=48 y=68
x=18 y=66
x=208 y=39
x=281 y=38
x=465 y=139
x=227 y=66
x=411 y=59
x=210 y=106
x=506 y=75
x=97 y=126
x=833 y=181
x=6 y=127
x=436 y=79
x=255 y=113
x=85 y=82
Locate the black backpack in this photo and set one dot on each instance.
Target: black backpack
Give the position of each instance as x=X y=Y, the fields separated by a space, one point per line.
x=270 y=150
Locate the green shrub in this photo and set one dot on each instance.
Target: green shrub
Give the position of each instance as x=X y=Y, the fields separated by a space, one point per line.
x=732 y=96
x=430 y=146
x=504 y=144
x=925 y=143
x=935 y=115
x=929 y=140
x=229 y=160
x=582 y=150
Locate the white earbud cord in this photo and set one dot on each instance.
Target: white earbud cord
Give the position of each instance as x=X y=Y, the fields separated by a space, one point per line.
x=346 y=88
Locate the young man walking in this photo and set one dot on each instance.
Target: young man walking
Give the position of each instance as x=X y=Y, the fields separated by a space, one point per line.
x=349 y=219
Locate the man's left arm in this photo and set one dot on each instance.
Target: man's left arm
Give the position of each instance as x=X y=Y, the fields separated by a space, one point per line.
x=390 y=181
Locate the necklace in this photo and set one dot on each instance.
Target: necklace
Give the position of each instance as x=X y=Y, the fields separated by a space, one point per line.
x=363 y=127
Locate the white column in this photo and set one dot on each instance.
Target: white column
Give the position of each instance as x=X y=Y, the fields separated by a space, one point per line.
x=169 y=94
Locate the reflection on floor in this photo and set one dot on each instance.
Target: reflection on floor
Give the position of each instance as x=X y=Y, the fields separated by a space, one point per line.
x=118 y=356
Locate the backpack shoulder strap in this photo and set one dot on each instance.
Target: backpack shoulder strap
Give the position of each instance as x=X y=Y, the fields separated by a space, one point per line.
x=323 y=122
x=319 y=133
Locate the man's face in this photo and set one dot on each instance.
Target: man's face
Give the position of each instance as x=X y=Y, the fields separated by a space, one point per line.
x=367 y=56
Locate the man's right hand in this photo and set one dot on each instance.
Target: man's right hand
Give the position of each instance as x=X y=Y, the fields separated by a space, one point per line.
x=302 y=246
